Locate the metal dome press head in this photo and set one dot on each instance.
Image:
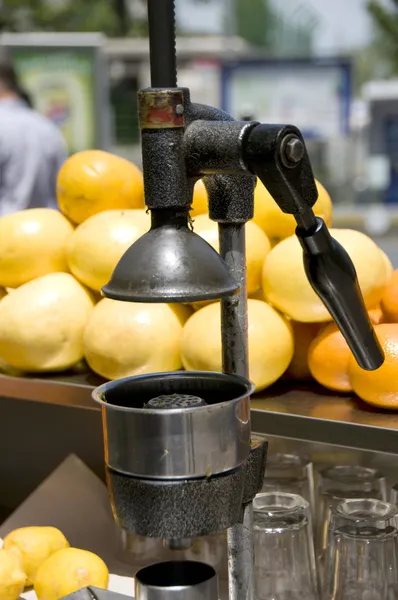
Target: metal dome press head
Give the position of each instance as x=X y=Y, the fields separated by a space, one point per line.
x=170 y=263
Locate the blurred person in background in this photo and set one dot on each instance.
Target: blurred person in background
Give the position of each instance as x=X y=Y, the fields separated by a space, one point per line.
x=32 y=149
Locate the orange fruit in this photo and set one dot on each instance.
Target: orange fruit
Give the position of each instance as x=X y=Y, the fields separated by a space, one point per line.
x=304 y=334
x=328 y=359
x=328 y=354
x=200 y=203
x=379 y=387
x=389 y=301
x=92 y=181
x=279 y=225
x=376 y=316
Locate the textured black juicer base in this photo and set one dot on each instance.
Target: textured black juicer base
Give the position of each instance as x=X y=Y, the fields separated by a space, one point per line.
x=187 y=509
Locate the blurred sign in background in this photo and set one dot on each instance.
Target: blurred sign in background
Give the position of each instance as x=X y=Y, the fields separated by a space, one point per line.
x=314 y=95
x=67 y=81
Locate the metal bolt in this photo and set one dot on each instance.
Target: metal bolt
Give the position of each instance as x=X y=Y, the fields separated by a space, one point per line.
x=292 y=150
x=179 y=110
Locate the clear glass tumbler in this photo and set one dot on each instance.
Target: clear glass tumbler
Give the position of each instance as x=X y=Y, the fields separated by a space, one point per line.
x=340 y=483
x=284 y=558
x=292 y=474
x=394 y=495
x=362 y=557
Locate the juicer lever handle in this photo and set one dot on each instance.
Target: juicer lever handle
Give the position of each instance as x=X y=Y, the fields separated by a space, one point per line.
x=333 y=277
x=277 y=155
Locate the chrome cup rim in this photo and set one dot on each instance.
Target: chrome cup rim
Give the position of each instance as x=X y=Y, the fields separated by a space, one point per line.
x=98 y=394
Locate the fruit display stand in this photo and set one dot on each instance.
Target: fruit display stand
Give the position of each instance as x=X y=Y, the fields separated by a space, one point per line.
x=43 y=420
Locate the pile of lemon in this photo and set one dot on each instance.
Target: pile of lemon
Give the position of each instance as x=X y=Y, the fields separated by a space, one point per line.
x=54 y=263
x=41 y=557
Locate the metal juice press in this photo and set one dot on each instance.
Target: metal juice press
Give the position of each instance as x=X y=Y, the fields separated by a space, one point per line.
x=180 y=458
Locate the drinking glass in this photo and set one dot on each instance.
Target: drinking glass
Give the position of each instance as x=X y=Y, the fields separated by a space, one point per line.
x=292 y=474
x=362 y=557
x=284 y=558
x=339 y=483
x=394 y=495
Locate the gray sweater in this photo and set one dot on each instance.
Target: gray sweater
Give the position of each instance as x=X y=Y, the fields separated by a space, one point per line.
x=32 y=150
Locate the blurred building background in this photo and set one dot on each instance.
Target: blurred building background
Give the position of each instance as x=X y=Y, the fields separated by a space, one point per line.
x=331 y=68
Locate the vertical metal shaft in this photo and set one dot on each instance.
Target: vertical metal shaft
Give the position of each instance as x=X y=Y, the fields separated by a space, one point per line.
x=234 y=308
x=241 y=557
x=162 y=43
x=234 y=328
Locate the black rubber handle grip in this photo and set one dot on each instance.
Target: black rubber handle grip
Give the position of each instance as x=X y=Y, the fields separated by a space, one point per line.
x=333 y=277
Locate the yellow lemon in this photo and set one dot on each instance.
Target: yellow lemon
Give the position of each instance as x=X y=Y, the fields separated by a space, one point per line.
x=270 y=342
x=32 y=243
x=97 y=244
x=279 y=225
x=42 y=323
x=285 y=283
x=32 y=546
x=12 y=577
x=257 y=247
x=92 y=181
x=68 y=571
x=128 y=338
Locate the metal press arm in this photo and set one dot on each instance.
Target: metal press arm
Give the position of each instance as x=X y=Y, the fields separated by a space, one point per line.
x=277 y=155
x=279 y=158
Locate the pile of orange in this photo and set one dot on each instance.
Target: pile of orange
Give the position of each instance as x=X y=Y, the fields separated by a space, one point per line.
x=320 y=350
x=61 y=261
